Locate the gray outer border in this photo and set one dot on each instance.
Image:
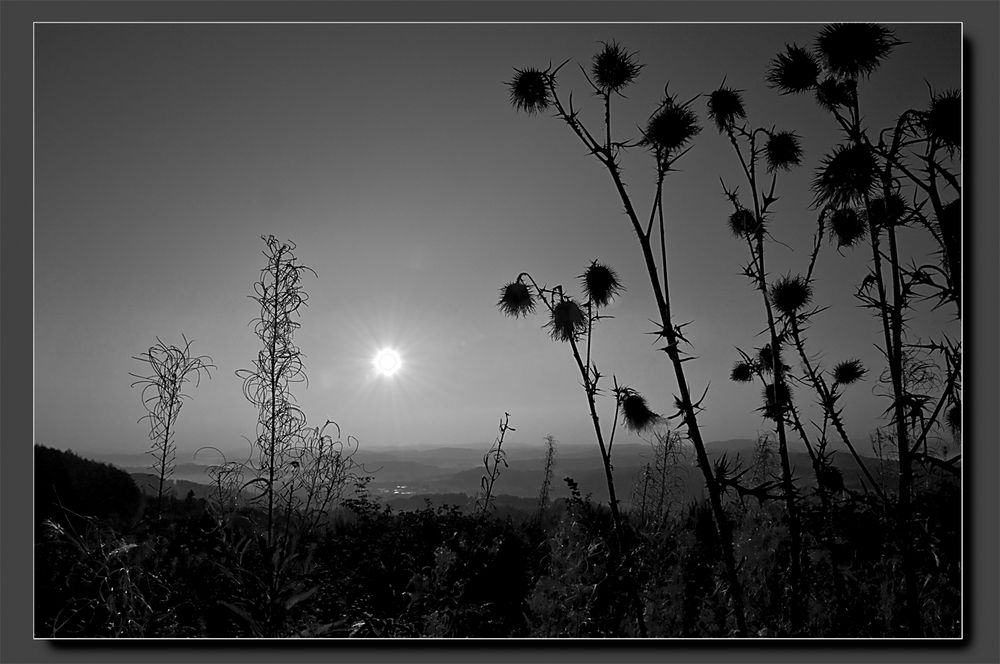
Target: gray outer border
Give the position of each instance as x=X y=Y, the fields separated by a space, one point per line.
x=980 y=18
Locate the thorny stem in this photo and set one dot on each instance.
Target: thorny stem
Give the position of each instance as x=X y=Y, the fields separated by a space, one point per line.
x=757 y=253
x=669 y=332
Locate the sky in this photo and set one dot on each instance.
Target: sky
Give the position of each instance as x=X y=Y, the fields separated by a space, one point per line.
x=391 y=156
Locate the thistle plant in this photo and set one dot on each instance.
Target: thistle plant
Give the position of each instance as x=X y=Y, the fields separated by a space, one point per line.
x=167 y=369
x=877 y=184
x=573 y=323
x=757 y=149
x=666 y=138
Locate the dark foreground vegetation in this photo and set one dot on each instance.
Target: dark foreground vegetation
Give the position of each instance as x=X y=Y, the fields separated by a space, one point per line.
x=115 y=570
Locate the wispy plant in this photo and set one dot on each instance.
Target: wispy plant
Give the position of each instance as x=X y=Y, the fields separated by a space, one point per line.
x=492 y=460
x=279 y=294
x=166 y=370
x=550 y=457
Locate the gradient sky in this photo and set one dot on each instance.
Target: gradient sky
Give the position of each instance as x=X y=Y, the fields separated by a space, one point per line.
x=391 y=156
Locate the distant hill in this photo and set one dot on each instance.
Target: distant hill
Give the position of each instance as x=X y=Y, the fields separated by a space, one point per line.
x=65 y=485
x=149 y=484
x=407 y=475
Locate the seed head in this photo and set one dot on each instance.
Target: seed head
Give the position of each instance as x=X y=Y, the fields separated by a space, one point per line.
x=833 y=93
x=855 y=50
x=845 y=176
x=954 y=418
x=529 y=90
x=516 y=300
x=887 y=211
x=742 y=372
x=671 y=127
x=614 y=68
x=601 y=284
x=789 y=294
x=783 y=151
x=793 y=71
x=743 y=223
x=567 y=320
x=943 y=120
x=847 y=226
x=776 y=401
x=849 y=372
x=725 y=107
x=636 y=412
x=765 y=359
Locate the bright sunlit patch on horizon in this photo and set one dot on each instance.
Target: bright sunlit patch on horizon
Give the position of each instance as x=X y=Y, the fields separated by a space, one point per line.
x=387 y=362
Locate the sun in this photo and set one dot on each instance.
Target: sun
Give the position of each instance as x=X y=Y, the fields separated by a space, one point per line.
x=387 y=362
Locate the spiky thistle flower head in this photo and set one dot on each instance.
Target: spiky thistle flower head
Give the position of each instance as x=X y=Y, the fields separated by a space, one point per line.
x=777 y=399
x=614 y=68
x=834 y=93
x=783 y=150
x=789 y=294
x=671 y=127
x=742 y=372
x=635 y=411
x=793 y=71
x=847 y=226
x=529 y=90
x=567 y=320
x=601 y=283
x=765 y=359
x=516 y=299
x=954 y=417
x=887 y=211
x=943 y=120
x=725 y=107
x=743 y=223
x=855 y=50
x=845 y=176
x=849 y=372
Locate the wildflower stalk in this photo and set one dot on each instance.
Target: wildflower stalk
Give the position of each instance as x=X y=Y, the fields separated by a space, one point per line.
x=169 y=368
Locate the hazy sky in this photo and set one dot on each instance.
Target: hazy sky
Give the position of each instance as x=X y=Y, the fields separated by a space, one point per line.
x=391 y=156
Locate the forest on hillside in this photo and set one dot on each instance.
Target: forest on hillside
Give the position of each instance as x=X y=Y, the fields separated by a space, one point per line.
x=291 y=541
